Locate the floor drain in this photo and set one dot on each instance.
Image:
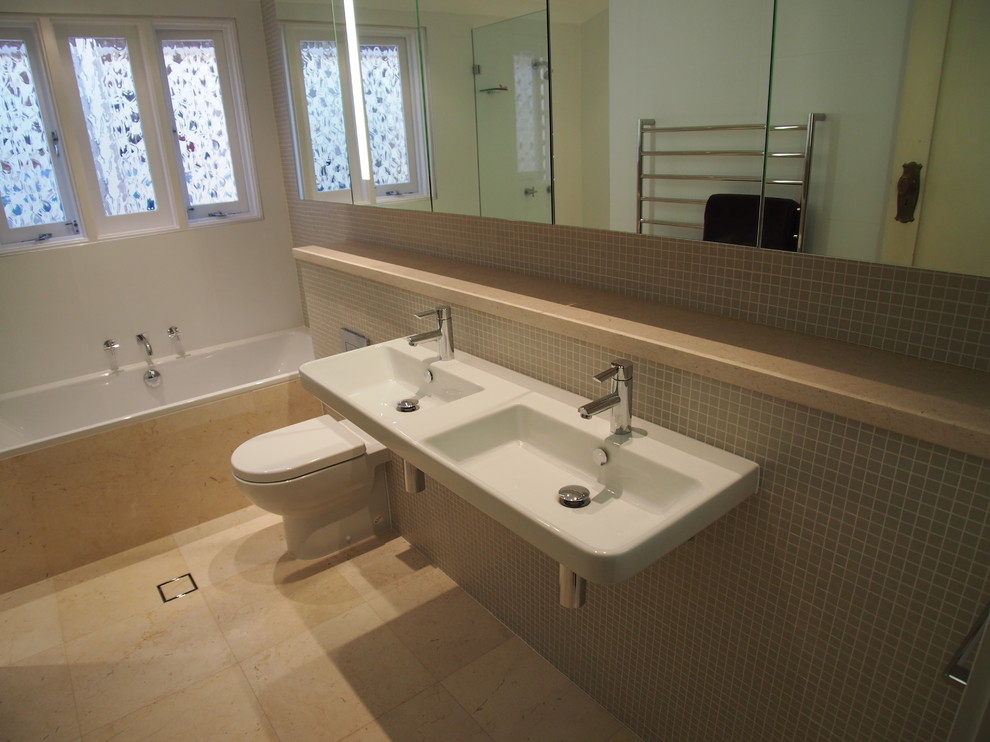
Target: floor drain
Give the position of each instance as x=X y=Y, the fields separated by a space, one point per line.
x=177 y=587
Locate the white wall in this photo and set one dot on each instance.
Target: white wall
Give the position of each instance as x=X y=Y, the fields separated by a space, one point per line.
x=843 y=58
x=218 y=283
x=681 y=62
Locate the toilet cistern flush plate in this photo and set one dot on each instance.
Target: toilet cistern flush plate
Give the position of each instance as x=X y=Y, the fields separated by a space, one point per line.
x=508 y=444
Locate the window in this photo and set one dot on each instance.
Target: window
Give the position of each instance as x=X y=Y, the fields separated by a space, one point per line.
x=36 y=196
x=142 y=155
x=198 y=85
x=324 y=117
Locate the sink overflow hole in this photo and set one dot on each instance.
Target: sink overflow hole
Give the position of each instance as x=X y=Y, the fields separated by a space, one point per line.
x=407 y=405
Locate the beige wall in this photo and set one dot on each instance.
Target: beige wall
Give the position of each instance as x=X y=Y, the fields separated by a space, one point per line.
x=961 y=181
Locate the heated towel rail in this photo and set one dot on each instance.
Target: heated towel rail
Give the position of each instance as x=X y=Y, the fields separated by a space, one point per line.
x=649 y=181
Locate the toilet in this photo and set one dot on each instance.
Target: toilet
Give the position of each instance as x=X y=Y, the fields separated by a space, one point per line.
x=326 y=479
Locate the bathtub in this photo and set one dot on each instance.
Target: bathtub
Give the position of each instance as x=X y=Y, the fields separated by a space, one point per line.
x=46 y=415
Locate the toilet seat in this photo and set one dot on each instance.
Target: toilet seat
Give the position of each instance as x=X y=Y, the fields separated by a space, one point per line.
x=295 y=451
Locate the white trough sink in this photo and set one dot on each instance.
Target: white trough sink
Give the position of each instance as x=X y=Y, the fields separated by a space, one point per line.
x=508 y=444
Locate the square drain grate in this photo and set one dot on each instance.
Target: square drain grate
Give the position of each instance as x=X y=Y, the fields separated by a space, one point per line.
x=177 y=587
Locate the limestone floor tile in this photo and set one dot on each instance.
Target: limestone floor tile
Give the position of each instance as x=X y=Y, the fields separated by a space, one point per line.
x=517 y=696
x=29 y=622
x=222 y=706
x=262 y=606
x=136 y=661
x=431 y=716
x=245 y=542
x=116 y=587
x=329 y=682
x=36 y=699
x=443 y=626
x=391 y=560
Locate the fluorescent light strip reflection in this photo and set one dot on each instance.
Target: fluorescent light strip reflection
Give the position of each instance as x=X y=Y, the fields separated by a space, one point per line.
x=357 y=96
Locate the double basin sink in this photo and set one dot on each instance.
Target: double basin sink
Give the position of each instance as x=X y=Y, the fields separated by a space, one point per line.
x=508 y=444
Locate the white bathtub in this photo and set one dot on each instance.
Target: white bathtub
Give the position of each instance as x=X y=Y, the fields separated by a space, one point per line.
x=44 y=415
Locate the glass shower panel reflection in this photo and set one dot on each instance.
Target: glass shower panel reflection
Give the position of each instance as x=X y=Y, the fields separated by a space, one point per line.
x=512 y=103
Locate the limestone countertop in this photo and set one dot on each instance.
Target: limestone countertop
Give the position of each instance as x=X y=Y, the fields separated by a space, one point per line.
x=935 y=402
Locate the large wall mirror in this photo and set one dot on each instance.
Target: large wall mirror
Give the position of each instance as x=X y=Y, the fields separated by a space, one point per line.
x=532 y=110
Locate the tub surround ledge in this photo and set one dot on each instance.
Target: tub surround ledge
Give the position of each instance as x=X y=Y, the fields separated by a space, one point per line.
x=939 y=403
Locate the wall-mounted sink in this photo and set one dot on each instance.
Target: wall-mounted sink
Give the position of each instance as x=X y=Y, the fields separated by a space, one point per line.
x=508 y=444
x=380 y=377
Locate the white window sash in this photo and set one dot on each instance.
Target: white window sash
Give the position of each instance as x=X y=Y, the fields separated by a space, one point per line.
x=234 y=113
x=418 y=185
x=91 y=203
x=69 y=226
x=405 y=39
x=293 y=35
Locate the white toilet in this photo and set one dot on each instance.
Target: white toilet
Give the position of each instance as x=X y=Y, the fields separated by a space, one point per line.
x=323 y=476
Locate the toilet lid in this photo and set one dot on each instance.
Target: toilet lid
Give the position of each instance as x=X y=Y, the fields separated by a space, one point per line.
x=295 y=450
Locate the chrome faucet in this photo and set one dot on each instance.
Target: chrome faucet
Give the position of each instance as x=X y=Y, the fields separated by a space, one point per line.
x=142 y=340
x=444 y=334
x=619 y=400
x=152 y=376
x=110 y=347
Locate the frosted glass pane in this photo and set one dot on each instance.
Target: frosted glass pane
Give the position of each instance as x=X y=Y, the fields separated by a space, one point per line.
x=325 y=113
x=200 y=123
x=113 y=121
x=532 y=117
x=381 y=77
x=27 y=176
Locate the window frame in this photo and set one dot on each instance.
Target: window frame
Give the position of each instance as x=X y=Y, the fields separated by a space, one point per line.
x=47 y=39
x=360 y=192
x=406 y=40
x=20 y=237
x=293 y=34
x=232 y=91
x=135 y=34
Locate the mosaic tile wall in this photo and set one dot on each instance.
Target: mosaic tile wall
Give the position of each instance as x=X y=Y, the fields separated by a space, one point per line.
x=825 y=607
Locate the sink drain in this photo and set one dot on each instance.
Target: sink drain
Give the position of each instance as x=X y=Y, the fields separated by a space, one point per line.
x=574 y=496
x=407 y=405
